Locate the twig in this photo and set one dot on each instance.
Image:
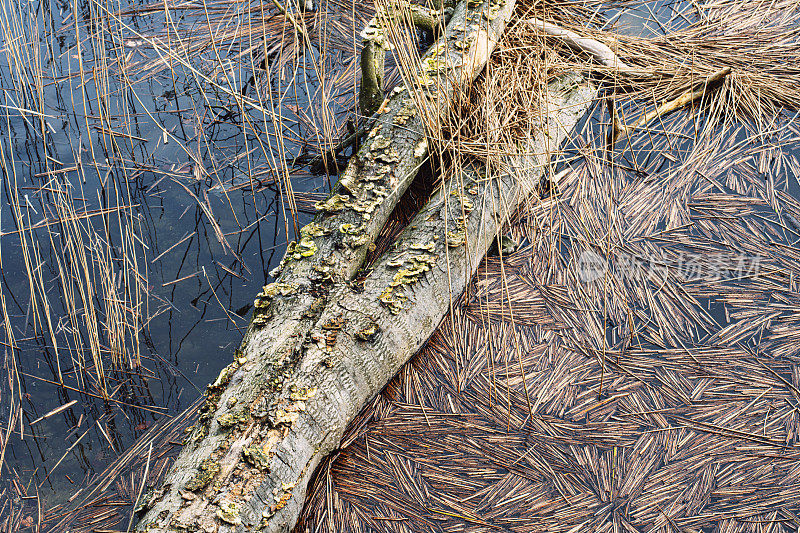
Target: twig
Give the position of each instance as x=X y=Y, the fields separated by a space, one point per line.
x=300 y=29
x=621 y=130
x=54 y=411
x=596 y=49
x=141 y=488
x=67 y=453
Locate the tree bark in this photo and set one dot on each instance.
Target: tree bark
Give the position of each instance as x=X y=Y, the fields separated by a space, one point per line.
x=319 y=347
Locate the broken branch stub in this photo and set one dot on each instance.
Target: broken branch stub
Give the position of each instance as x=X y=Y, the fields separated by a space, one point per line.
x=376 y=43
x=242 y=467
x=599 y=51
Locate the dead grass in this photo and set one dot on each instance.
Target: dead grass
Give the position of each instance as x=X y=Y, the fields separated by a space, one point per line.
x=660 y=395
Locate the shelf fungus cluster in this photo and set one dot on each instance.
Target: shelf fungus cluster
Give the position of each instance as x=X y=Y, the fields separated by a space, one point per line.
x=262 y=306
x=457 y=236
x=412 y=262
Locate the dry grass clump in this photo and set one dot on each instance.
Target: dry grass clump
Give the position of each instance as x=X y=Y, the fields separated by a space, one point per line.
x=756 y=40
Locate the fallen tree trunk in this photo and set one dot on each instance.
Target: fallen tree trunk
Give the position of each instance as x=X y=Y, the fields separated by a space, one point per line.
x=319 y=348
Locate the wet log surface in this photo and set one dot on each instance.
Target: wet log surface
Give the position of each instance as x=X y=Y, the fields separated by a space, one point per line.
x=320 y=346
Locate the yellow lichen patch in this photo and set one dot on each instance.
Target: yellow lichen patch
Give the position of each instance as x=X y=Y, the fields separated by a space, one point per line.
x=393 y=296
x=229 y=420
x=312 y=230
x=424 y=80
x=207 y=470
x=285 y=417
x=282 y=495
x=305 y=248
x=407 y=111
x=258 y=456
x=380 y=143
x=456 y=238
x=368 y=333
x=350 y=229
x=333 y=323
x=302 y=394
x=435 y=64
x=438 y=50
x=262 y=302
x=389 y=155
x=494 y=10
x=229 y=512
x=425 y=247
x=356 y=241
x=274 y=289
x=263 y=306
x=290 y=411
x=261 y=320
x=366 y=207
x=393 y=300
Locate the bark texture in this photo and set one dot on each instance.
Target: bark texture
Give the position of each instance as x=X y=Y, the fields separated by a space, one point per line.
x=319 y=347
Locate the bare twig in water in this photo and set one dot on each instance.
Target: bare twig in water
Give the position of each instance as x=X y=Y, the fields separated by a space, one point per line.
x=622 y=130
x=300 y=29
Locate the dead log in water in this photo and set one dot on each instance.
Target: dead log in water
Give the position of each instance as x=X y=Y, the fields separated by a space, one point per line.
x=319 y=347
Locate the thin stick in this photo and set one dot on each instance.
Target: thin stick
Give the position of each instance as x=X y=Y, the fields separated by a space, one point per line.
x=66 y=453
x=141 y=488
x=621 y=130
x=55 y=411
x=301 y=30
